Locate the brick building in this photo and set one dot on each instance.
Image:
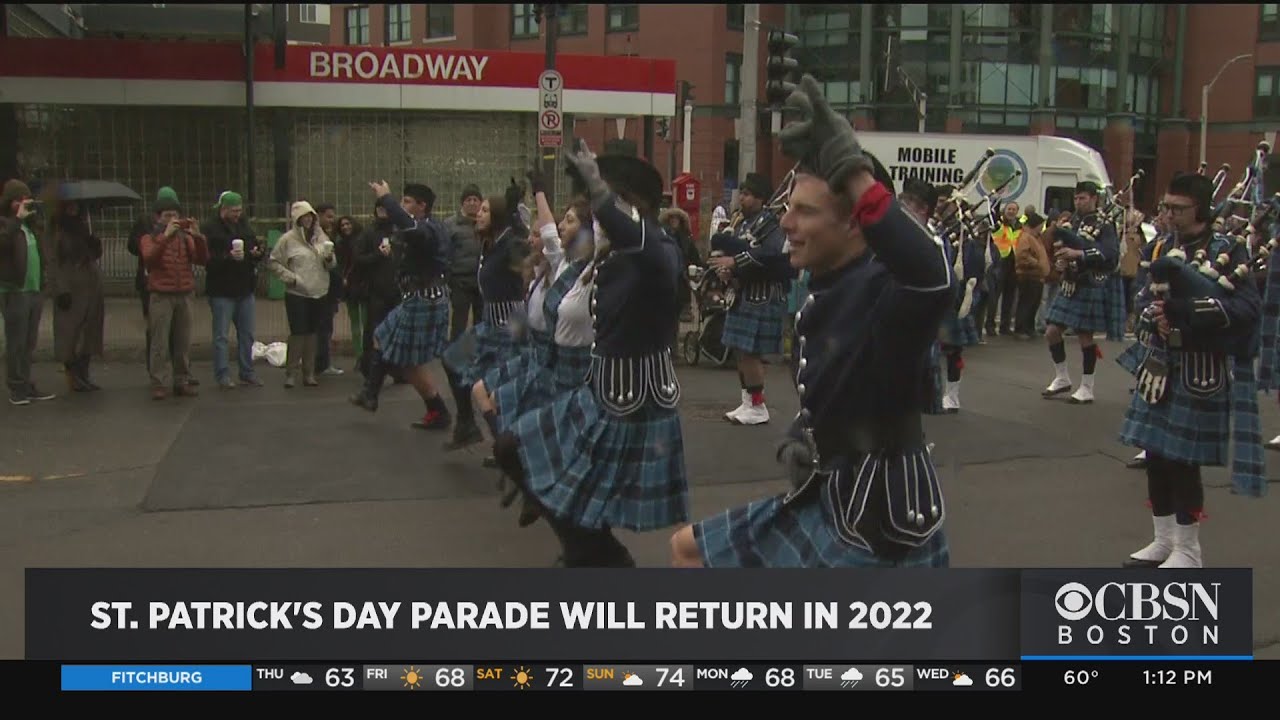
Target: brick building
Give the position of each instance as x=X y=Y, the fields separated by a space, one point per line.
x=1125 y=79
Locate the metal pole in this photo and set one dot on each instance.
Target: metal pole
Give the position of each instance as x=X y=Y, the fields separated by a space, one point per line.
x=924 y=104
x=1204 y=120
x=750 y=79
x=551 y=23
x=688 y=133
x=248 y=103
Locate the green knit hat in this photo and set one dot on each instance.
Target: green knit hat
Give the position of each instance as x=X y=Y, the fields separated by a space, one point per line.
x=167 y=199
x=229 y=199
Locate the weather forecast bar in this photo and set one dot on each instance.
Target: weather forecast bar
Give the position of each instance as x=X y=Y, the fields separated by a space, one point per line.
x=1161 y=672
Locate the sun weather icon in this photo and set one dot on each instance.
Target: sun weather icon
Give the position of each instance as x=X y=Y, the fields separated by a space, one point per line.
x=412 y=678
x=632 y=680
x=524 y=677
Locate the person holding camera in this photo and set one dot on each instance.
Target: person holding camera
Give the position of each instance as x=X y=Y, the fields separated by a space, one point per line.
x=169 y=252
x=22 y=282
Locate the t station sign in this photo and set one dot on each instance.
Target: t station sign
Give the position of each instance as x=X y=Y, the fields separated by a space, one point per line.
x=550 y=106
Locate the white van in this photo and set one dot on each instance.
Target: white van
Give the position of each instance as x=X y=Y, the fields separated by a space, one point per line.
x=1050 y=166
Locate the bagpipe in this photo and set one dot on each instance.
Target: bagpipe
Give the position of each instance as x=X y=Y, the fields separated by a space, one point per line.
x=967 y=231
x=730 y=242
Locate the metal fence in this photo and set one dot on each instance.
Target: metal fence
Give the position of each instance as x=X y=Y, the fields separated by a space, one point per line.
x=200 y=152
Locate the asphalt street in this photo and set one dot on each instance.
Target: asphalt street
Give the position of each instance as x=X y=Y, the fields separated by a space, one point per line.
x=270 y=477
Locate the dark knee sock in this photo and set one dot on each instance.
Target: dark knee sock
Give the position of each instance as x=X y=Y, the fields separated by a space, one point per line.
x=506 y=453
x=1188 y=494
x=375 y=374
x=1090 y=355
x=1159 y=486
x=1058 y=351
x=955 y=365
x=491 y=419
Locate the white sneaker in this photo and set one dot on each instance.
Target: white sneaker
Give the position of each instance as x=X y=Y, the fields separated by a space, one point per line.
x=1059 y=385
x=332 y=371
x=1186 y=547
x=733 y=414
x=1083 y=395
x=951 y=397
x=753 y=415
x=1159 y=549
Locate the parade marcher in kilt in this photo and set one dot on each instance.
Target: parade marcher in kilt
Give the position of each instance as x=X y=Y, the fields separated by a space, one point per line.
x=416 y=331
x=522 y=382
x=1197 y=342
x=1088 y=254
x=971 y=262
x=866 y=491
x=610 y=452
x=754 y=255
x=919 y=198
x=477 y=357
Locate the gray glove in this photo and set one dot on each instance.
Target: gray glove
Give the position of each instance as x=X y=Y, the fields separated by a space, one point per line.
x=796 y=457
x=822 y=141
x=582 y=163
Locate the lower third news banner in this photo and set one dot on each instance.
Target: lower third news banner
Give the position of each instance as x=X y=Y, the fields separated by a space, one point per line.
x=127 y=629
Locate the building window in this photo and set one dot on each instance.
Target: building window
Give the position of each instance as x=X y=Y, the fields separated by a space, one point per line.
x=314 y=13
x=623 y=17
x=440 y=20
x=523 y=23
x=732 y=79
x=1266 y=94
x=737 y=13
x=573 y=19
x=1269 y=25
x=398 y=25
x=358 y=26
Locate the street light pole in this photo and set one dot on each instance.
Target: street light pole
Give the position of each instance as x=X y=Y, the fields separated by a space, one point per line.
x=1204 y=104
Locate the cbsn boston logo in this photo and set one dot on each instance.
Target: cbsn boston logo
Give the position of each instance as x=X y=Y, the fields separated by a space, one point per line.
x=1156 y=614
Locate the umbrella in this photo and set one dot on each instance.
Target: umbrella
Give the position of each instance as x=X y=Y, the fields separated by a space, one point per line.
x=96 y=191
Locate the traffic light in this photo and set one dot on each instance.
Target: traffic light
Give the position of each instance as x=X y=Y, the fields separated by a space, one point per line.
x=664 y=128
x=780 y=66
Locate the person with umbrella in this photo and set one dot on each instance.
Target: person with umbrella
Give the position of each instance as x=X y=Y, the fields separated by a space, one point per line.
x=75 y=283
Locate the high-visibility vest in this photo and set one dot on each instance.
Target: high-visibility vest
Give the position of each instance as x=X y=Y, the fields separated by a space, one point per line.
x=1006 y=239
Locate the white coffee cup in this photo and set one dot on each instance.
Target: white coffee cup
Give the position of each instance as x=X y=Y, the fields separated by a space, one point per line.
x=326 y=248
x=237 y=245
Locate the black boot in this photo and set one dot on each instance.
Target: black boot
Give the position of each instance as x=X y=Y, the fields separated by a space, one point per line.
x=84 y=374
x=437 y=415
x=367 y=398
x=465 y=431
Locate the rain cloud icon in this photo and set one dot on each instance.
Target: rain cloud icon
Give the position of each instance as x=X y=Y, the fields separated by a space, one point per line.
x=740 y=678
x=850 y=678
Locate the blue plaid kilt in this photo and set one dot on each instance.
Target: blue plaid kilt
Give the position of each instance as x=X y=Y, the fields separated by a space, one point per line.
x=599 y=470
x=1182 y=427
x=528 y=352
x=958 y=331
x=415 y=332
x=557 y=370
x=492 y=346
x=755 y=329
x=1131 y=358
x=798 y=534
x=1084 y=310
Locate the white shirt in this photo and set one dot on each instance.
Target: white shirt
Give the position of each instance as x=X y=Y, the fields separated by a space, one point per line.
x=554 y=253
x=574 y=327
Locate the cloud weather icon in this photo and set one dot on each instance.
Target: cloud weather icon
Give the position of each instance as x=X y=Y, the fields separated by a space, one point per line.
x=962 y=680
x=632 y=680
x=740 y=678
x=850 y=678
x=301 y=678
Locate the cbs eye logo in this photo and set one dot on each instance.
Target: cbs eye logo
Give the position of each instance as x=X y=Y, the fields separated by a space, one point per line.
x=1073 y=601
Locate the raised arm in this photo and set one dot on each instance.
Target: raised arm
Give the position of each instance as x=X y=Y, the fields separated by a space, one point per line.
x=915 y=257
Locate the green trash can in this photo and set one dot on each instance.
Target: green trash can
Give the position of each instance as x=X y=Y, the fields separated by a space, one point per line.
x=275 y=286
